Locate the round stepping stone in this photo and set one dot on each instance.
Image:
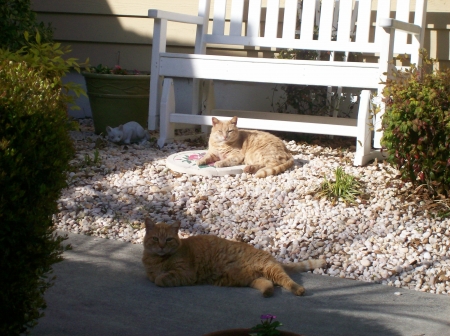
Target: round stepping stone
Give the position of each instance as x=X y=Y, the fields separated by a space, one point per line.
x=186 y=162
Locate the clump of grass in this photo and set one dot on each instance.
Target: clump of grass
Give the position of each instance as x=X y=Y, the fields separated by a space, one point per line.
x=345 y=187
x=88 y=161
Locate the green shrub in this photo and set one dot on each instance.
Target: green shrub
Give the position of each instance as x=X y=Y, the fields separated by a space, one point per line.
x=35 y=149
x=16 y=17
x=50 y=59
x=416 y=126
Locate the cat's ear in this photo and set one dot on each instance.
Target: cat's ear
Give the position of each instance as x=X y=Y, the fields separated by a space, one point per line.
x=233 y=120
x=149 y=224
x=215 y=121
x=121 y=127
x=108 y=129
x=176 y=225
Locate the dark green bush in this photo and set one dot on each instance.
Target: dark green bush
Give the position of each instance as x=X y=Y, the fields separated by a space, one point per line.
x=35 y=149
x=16 y=17
x=416 y=127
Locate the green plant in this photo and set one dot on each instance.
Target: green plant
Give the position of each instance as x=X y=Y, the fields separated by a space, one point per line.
x=35 y=149
x=92 y=162
x=416 y=126
x=344 y=186
x=117 y=70
x=16 y=18
x=267 y=327
x=49 y=58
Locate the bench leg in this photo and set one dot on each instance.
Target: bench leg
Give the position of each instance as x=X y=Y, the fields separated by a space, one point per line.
x=159 y=46
x=364 y=135
x=377 y=126
x=166 y=128
x=208 y=102
x=364 y=152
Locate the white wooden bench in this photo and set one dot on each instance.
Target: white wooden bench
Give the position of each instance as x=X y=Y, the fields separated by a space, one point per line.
x=280 y=29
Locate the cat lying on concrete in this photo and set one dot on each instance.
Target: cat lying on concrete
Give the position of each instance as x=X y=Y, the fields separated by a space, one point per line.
x=129 y=133
x=207 y=259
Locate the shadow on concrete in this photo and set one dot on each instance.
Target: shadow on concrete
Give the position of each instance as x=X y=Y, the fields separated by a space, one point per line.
x=101 y=289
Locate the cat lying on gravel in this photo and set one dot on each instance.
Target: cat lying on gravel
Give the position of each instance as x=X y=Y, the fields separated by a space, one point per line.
x=129 y=133
x=262 y=152
x=206 y=259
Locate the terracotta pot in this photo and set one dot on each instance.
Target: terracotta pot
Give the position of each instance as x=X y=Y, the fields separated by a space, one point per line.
x=244 y=332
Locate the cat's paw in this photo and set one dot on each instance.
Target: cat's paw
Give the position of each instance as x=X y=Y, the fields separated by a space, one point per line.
x=201 y=162
x=219 y=164
x=297 y=289
x=268 y=292
x=250 y=169
x=164 y=280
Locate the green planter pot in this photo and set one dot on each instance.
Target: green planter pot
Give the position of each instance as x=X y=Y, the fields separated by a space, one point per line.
x=117 y=99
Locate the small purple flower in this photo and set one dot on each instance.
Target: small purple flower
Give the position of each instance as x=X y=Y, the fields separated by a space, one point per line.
x=267 y=326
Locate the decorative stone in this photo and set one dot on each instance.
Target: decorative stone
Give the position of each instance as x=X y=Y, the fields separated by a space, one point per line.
x=366 y=262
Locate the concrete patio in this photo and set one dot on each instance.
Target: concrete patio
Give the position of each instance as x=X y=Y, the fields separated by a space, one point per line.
x=101 y=289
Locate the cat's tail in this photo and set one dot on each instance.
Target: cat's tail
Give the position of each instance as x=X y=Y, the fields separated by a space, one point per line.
x=266 y=171
x=305 y=265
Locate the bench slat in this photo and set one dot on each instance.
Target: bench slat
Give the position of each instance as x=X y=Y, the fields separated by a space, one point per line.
x=419 y=19
x=300 y=44
x=298 y=123
x=237 y=14
x=308 y=16
x=290 y=19
x=254 y=18
x=271 y=24
x=402 y=14
x=345 y=21
x=363 y=21
x=348 y=74
x=220 y=7
x=383 y=11
x=326 y=20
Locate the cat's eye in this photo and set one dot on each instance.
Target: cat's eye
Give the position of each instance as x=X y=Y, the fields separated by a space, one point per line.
x=230 y=131
x=169 y=239
x=155 y=239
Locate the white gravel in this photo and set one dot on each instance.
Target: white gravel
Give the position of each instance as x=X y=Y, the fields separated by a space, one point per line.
x=384 y=238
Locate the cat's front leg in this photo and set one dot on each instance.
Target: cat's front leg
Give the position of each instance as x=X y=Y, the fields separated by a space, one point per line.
x=230 y=161
x=172 y=279
x=208 y=158
x=127 y=140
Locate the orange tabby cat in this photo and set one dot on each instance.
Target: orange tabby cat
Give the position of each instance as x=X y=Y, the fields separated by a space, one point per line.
x=170 y=261
x=262 y=152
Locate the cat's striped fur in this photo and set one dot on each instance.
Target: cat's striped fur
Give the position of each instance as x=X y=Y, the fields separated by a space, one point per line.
x=263 y=153
x=206 y=259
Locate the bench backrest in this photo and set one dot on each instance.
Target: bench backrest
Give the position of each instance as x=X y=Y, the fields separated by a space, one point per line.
x=326 y=25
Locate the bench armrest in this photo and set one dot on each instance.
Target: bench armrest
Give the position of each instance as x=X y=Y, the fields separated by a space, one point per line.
x=177 y=17
x=400 y=25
